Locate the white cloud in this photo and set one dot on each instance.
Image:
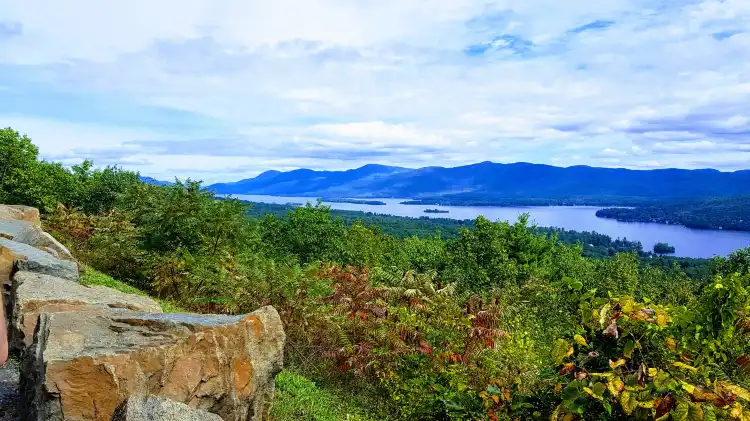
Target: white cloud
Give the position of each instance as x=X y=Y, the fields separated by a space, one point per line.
x=390 y=81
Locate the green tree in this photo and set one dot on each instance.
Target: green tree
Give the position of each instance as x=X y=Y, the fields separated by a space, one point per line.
x=98 y=190
x=737 y=262
x=663 y=248
x=23 y=180
x=496 y=254
x=308 y=232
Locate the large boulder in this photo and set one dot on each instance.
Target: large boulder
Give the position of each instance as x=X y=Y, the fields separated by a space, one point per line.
x=154 y=408
x=28 y=233
x=83 y=366
x=15 y=256
x=34 y=293
x=12 y=228
x=20 y=213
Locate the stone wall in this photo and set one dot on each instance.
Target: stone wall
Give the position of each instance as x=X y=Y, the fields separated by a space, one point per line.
x=97 y=354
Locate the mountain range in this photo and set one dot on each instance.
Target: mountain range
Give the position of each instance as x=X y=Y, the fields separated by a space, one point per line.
x=493 y=182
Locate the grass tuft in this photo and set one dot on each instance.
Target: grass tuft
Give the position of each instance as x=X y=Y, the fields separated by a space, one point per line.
x=91 y=277
x=298 y=398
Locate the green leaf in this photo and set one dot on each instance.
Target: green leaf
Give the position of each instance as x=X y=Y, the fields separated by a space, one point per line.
x=680 y=412
x=695 y=412
x=599 y=388
x=560 y=351
x=709 y=414
x=494 y=390
x=628 y=350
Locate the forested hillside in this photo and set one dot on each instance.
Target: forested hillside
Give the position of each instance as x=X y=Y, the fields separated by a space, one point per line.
x=494 y=321
x=489 y=183
x=730 y=213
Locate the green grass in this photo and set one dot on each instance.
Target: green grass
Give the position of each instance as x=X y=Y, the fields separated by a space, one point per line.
x=93 y=277
x=300 y=399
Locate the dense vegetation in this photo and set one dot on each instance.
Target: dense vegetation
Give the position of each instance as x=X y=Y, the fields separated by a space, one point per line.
x=491 y=200
x=730 y=213
x=356 y=201
x=496 y=322
x=594 y=244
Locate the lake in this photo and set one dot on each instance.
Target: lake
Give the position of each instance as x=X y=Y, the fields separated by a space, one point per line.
x=688 y=242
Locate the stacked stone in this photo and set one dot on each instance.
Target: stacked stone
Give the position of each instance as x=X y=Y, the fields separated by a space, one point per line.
x=97 y=354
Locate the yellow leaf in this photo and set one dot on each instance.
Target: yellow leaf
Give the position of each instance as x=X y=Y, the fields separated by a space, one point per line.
x=628 y=402
x=661 y=318
x=671 y=344
x=603 y=315
x=646 y=404
x=495 y=398
x=580 y=340
x=652 y=372
x=742 y=393
x=614 y=364
x=736 y=411
x=615 y=386
x=570 y=352
x=684 y=366
x=688 y=387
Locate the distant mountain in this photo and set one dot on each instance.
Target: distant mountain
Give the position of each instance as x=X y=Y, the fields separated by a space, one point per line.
x=304 y=181
x=487 y=181
x=155 y=182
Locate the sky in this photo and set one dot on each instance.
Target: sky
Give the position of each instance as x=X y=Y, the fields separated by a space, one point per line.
x=220 y=90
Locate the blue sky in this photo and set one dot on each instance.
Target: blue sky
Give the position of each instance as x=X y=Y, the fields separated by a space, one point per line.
x=225 y=89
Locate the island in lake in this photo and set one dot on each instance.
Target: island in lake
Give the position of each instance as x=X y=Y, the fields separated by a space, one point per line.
x=435 y=211
x=356 y=201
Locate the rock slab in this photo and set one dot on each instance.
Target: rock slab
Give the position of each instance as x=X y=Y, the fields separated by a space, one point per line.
x=83 y=366
x=20 y=213
x=154 y=408
x=15 y=256
x=28 y=233
x=34 y=293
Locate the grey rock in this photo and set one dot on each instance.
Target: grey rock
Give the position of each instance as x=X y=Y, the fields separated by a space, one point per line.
x=13 y=228
x=84 y=365
x=9 y=374
x=34 y=293
x=154 y=408
x=31 y=259
x=27 y=233
x=21 y=213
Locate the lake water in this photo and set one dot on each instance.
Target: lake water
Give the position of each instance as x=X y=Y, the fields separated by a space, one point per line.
x=688 y=242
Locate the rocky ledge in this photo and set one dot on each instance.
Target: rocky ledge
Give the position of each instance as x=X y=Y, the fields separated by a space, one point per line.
x=94 y=353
